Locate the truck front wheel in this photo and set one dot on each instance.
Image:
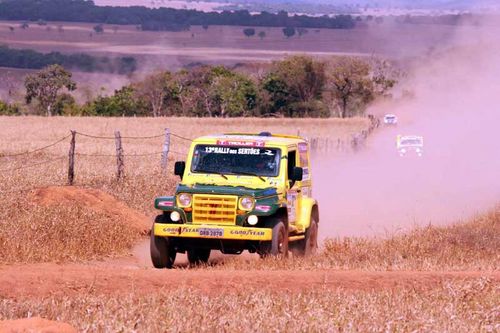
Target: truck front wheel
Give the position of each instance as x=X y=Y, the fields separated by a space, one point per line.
x=278 y=247
x=309 y=245
x=162 y=253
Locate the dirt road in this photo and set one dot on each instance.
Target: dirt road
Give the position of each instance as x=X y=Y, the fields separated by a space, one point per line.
x=123 y=276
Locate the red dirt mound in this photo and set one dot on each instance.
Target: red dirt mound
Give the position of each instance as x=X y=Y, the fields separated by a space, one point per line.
x=96 y=200
x=35 y=324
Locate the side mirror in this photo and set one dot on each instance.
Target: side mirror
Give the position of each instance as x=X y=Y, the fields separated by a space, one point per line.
x=179 y=168
x=297 y=174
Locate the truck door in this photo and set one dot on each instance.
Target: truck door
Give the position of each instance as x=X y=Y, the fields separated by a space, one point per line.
x=294 y=191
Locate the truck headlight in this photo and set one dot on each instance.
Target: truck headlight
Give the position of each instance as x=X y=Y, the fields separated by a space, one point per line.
x=184 y=200
x=252 y=220
x=175 y=216
x=246 y=203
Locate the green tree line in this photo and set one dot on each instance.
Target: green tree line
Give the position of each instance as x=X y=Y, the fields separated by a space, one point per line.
x=31 y=59
x=298 y=86
x=158 y=18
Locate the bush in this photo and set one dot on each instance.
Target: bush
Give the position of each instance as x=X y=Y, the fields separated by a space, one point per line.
x=249 y=32
x=9 y=109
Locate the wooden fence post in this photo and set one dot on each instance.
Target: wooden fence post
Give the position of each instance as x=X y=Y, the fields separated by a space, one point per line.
x=119 y=156
x=71 y=164
x=166 y=149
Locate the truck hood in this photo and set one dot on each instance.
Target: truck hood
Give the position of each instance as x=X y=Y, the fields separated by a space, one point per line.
x=228 y=190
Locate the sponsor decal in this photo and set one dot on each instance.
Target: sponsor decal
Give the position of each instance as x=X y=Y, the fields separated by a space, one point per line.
x=305 y=175
x=247 y=233
x=306 y=192
x=237 y=151
x=291 y=202
x=303 y=147
x=241 y=143
x=263 y=208
x=172 y=231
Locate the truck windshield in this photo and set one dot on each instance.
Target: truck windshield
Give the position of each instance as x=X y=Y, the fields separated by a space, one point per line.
x=411 y=142
x=236 y=160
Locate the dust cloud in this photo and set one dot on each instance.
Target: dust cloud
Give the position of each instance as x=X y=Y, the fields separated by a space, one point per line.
x=456 y=107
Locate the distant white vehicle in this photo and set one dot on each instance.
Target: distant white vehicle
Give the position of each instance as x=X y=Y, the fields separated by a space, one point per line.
x=390 y=119
x=410 y=144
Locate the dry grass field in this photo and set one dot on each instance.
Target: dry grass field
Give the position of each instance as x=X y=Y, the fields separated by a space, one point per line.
x=216 y=45
x=220 y=43
x=69 y=254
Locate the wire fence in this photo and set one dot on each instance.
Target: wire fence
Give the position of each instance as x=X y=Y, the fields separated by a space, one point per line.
x=316 y=145
x=37 y=149
x=119 y=154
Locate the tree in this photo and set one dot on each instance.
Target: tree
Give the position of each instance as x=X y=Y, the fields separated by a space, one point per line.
x=99 y=29
x=302 y=31
x=234 y=95
x=213 y=92
x=297 y=79
x=289 y=32
x=351 y=86
x=24 y=25
x=155 y=90
x=249 y=32
x=122 y=103
x=191 y=90
x=11 y=28
x=262 y=34
x=9 y=109
x=384 y=76
x=46 y=84
x=65 y=105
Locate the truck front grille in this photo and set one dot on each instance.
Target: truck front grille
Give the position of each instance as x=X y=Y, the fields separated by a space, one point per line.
x=214 y=209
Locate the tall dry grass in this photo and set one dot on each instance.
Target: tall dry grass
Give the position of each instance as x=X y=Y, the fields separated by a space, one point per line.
x=471 y=245
x=457 y=306
x=30 y=233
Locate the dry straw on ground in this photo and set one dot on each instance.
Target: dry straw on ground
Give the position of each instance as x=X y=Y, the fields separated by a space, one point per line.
x=459 y=306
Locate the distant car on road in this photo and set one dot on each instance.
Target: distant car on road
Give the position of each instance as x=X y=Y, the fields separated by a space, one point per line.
x=410 y=144
x=390 y=119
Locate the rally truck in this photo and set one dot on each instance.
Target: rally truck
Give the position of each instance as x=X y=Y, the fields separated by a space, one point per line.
x=406 y=144
x=238 y=192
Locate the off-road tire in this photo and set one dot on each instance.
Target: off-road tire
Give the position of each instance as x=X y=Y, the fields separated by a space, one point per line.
x=309 y=245
x=198 y=256
x=278 y=246
x=162 y=253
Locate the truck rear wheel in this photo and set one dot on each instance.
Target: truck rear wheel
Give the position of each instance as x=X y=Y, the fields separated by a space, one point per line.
x=278 y=247
x=198 y=256
x=162 y=253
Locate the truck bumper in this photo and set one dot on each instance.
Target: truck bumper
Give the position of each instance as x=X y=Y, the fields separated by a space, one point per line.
x=212 y=232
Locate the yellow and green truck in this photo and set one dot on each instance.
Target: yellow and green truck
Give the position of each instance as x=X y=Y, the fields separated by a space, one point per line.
x=238 y=191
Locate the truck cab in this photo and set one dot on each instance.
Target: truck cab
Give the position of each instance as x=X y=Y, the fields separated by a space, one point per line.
x=238 y=191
